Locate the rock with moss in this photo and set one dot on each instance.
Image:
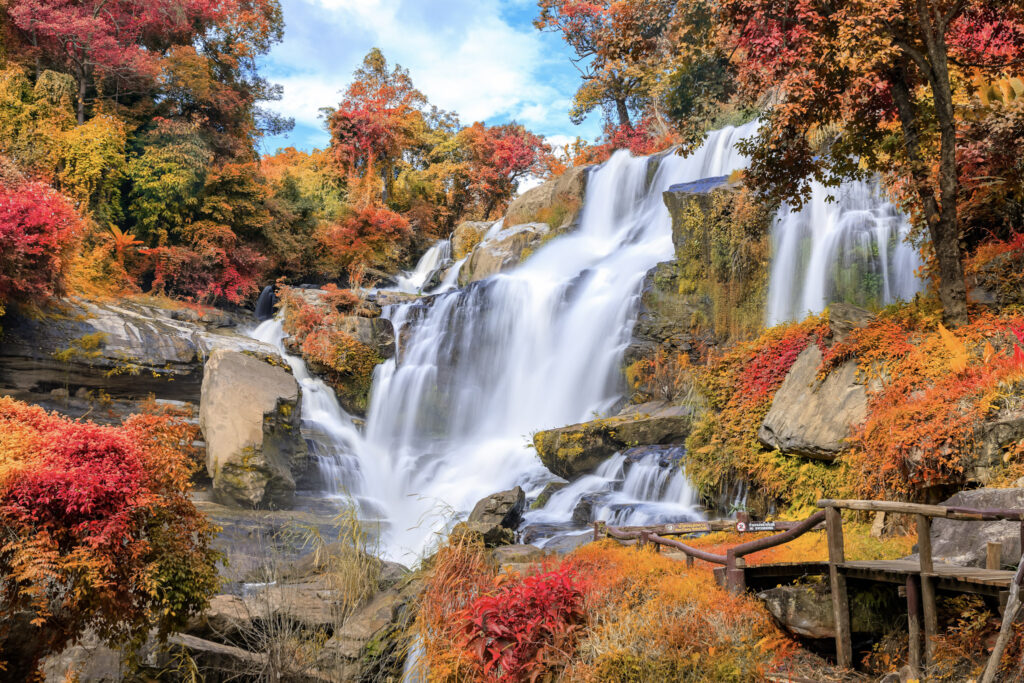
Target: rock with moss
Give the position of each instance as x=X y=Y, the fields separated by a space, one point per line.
x=466 y=236
x=579 y=449
x=722 y=241
x=503 y=251
x=249 y=415
x=550 y=489
x=556 y=202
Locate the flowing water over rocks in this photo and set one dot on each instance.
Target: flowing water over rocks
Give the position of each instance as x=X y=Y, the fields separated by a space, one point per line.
x=479 y=370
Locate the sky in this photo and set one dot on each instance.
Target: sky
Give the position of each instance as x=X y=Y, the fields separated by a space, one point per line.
x=480 y=58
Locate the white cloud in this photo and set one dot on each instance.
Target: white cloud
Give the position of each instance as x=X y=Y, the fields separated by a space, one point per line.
x=464 y=55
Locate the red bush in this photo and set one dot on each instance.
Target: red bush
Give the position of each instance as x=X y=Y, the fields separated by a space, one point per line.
x=97 y=531
x=526 y=627
x=38 y=227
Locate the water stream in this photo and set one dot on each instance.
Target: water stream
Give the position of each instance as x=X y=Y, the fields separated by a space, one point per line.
x=478 y=370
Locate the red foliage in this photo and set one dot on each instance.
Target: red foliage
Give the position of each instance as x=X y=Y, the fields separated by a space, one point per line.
x=372 y=234
x=208 y=271
x=528 y=625
x=98 y=530
x=38 y=227
x=499 y=157
x=769 y=366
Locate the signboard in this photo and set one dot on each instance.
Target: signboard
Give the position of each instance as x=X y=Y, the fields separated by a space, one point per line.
x=755 y=526
x=687 y=528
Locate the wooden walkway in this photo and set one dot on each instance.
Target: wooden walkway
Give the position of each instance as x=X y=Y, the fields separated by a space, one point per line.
x=947 y=578
x=920 y=579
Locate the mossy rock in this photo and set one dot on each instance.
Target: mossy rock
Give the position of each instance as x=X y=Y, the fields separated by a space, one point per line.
x=579 y=449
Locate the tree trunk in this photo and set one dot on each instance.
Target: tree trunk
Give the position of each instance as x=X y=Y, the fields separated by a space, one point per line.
x=942 y=222
x=83 y=83
x=623 y=111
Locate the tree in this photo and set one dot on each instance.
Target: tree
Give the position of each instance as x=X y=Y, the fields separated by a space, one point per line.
x=497 y=158
x=97 y=531
x=38 y=229
x=886 y=75
x=119 y=40
x=377 y=120
x=618 y=46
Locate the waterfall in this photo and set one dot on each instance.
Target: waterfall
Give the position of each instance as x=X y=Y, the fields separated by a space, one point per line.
x=643 y=485
x=433 y=259
x=480 y=369
x=332 y=437
x=852 y=249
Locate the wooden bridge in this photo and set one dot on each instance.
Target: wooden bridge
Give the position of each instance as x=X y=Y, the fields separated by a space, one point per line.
x=920 y=580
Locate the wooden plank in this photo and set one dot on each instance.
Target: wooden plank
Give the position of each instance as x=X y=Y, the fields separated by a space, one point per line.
x=885 y=506
x=837 y=582
x=993 y=555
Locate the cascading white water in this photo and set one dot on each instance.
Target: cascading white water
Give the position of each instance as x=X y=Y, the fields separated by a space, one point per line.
x=640 y=486
x=478 y=370
x=432 y=260
x=853 y=249
x=482 y=368
x=333 y=438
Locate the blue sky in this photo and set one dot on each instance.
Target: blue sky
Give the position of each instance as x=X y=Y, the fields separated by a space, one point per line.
x=480 y=58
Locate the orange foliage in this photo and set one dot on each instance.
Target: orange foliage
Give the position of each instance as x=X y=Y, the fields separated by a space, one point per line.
x=933 y=389
x=98 y=531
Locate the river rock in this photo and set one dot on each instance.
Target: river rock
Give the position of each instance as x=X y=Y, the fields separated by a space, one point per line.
x=504 y=508
x=812 y=417
x=551 y=488
x=964 y=543
x=466 y=236
x=578 y=449
x=806 y=611
x=503 y=251
x=557 y=201
x=126 y=350
x=249 y=415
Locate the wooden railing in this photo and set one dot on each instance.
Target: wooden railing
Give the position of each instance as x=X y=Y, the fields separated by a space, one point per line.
x=920 y=586
x=732 y=560
x=919 y=597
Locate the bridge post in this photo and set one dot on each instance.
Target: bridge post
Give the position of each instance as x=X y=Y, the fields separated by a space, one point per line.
x=914 y=622
x=931 y=619
x=837 y=583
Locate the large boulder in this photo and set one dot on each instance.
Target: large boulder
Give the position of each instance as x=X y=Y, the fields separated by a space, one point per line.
x=806 y=611
x=965 y=543
x=812 y=417
x=991 y=438
x=503 y=251
x=556 y=202
x=466 y=236
x=722 y=240
x=504 y=508
x=578 y=449
x=249 y=415
x=123 y=351
x=495 y=518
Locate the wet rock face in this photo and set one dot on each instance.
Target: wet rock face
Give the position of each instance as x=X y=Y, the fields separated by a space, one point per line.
x=811 y=417
x=503 y=251
x=249 y=415
x=125 y=350
x=965 y=543
x=558 y=200
x=578 y=449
